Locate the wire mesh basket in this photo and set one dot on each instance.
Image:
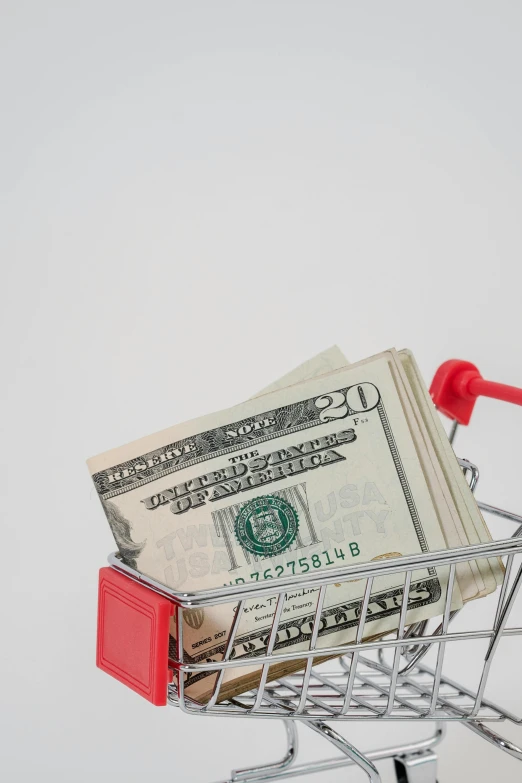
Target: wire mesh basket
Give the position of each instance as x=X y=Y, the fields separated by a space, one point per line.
x=367 y=679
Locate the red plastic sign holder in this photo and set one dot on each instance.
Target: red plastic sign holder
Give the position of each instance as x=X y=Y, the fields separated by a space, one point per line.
x=133 y=635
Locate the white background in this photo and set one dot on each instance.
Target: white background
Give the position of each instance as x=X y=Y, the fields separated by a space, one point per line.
x=196 y=197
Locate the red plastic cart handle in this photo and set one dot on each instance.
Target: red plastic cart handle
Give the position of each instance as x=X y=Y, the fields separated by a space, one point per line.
x=457 y=384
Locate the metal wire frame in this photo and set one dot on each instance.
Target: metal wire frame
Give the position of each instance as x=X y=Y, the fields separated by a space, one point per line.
x=229 y=593
x=361 y=687
x=344 y=702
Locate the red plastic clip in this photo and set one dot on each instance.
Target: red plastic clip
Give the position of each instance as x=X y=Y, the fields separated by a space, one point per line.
x=457 y=384
x=133 y=635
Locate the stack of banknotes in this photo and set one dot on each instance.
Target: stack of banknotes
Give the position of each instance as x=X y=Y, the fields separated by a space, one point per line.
x=332 y=465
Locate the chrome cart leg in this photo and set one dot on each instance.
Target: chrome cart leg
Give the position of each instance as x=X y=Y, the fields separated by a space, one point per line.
x=417 y=767
x=256 y=774
x=265 y=771
x=355 y=755
x=499 y=742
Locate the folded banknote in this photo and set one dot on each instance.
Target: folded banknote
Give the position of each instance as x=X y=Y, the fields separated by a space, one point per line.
x=331 y=465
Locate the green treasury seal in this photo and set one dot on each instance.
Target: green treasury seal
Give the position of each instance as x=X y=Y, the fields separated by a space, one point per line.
x=266 y=525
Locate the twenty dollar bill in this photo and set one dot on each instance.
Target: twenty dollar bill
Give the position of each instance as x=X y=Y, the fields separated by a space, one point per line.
x=310 y=476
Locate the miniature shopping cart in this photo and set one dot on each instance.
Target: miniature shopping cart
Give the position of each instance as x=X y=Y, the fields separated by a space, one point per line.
x=379 y=680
